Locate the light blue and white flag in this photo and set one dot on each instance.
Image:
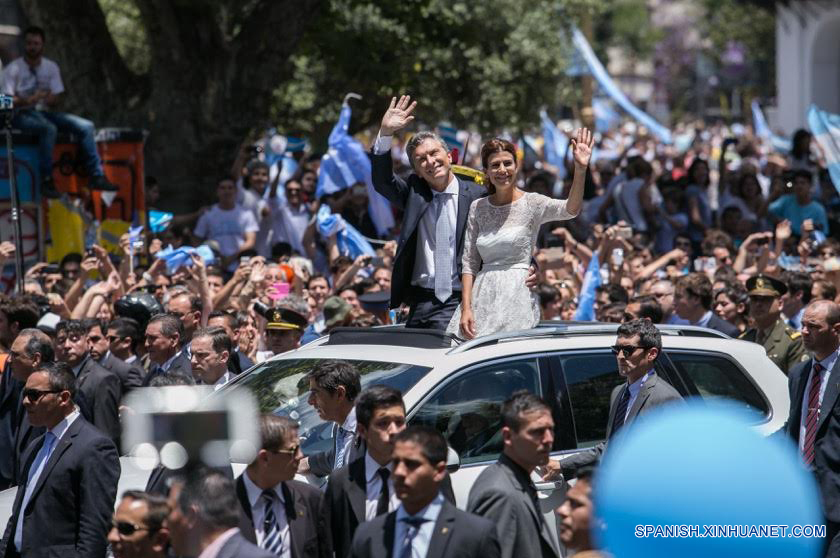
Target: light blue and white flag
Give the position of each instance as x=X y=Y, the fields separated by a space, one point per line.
x=449 y=133
x=610 y=88
x=133 y=236
x=555 y=144
x=826 y=129
x=347 y=163
x=591 y=280
x=763 y=131
x=350 y=241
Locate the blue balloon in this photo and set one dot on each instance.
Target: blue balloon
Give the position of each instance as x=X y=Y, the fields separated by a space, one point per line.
x=698 y=465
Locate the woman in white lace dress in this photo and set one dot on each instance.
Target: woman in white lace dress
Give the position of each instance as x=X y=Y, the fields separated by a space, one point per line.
x=500 y=240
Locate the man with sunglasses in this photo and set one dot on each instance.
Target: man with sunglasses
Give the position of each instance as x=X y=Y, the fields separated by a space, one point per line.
x=137 y=529
x=282 y=514
x=636 y=349
x=65 y=502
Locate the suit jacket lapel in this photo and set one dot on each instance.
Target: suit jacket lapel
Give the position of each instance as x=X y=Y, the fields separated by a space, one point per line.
x=442 y=530
x=83 y=373
x=796 y=401
x=389 y=533
x=242 y=496
x=613 y=405
x=357 y=488
x=61 y=446
x=461 y=223
x=296 y=516
x=534 y=509
x=830 y=395
x=642 y=396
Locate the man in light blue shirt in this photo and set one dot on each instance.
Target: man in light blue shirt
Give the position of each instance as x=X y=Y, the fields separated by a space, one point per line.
x=798 y=206
x=425 y=525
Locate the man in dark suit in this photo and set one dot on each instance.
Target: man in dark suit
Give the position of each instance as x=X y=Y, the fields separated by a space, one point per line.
x=427 y=265
x=163 y=345
x=425 y=524
x=238 y=363
x=334 y=386
x=281 y=515
x=99 y=349
x=637 y=347
x=124 y=336
x=100 y=388
x=814 y=421
x=204 y=512
x=64 y=507
x=693 y=302
x=31 y=350
x=504 y=492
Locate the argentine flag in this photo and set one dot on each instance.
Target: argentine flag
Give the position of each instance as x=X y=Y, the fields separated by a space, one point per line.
x=826 y=129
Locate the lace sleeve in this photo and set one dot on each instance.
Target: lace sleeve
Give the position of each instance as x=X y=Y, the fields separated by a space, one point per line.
x=471 y=260
x=550 y=209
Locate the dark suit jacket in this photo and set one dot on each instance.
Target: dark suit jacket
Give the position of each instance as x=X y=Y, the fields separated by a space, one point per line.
x=456 y=534
x=655 y=392
x=826 y=465
x=239 y=547
x=25 y=435
x=10 y=390
x=303 y=512
x=131 y=376
x=181 y=364
x=321 y=464
x=344 y=503
x=70 y=510
x=102 y=391
x=413 y=196
x=718 y=324
x=239 y=363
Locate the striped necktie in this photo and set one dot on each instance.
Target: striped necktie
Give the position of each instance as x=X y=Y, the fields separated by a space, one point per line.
x=272 y=533
x=812 y=418
x=413 y=525
x=620 y=412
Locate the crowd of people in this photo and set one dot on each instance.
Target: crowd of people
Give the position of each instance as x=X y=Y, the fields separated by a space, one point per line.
x=715 y=231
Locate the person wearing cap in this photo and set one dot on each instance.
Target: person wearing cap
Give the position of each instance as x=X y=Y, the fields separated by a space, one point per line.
x=282 y=332
x=336 y=311
x=783 y=343
x=377 y=304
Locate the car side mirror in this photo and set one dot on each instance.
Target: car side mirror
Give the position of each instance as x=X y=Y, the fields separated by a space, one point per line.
x=453 y=460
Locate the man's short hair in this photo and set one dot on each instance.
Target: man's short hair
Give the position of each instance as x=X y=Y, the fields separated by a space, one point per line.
x=126 y=327
x=316 y=276
x=72 y=327
x=829 y=291
x=229 y=317
x=90 y=323
x=214 y=498
x=799 y=282
x=615 y=292
x=72 y=257
x=173 y=378
x=60 y=377
x=547 y=294
x=376 y=397
x=156 y=508
x=169 y=325
x=649 y=307
x=419 y=138
x=519 y=403
x=196 y=304
x=35 y=30
x=219 y=338
x=699 y=285
x=649 y=336
x=330 y=374
x=432 y=443
x=276 y=430
x=21 y=309
x=38 y=342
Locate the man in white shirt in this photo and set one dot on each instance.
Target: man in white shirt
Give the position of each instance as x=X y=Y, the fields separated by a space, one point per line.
x=425 y=525
x=69 y=475
x=211 y=349
x=289 y=219
x=35 y=83
x=232 y=226
x=283 y=515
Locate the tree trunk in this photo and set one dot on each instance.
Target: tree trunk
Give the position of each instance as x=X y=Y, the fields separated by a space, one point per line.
x=210 y=82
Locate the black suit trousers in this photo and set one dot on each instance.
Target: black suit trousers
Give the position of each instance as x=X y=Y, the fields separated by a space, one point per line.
x=427 y=312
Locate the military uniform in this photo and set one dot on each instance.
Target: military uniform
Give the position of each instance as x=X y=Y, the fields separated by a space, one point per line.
x=783 y=344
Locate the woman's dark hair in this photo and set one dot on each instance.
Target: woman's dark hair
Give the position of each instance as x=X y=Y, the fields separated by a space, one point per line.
x=800 y=148
x=491 y=147
x=743 y=179
x=693 y=168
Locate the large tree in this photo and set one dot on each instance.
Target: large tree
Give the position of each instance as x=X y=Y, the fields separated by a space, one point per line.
x=199 y=75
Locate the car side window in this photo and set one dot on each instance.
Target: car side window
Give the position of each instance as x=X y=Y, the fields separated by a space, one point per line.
x=590 y=379
x=715 y=377
x=467 y=409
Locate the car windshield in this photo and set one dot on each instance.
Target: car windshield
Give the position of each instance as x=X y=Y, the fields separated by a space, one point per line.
x=280 y=389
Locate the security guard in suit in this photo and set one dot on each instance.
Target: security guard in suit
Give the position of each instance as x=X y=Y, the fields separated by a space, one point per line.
x=783 y=343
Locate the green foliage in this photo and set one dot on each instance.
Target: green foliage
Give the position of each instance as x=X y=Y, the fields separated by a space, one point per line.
x=128 y=32
x=630 y=27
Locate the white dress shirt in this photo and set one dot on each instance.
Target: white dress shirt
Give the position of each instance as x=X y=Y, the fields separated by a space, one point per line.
x=424 y=262
x=258 y=513
x=223 y=379
x=423 y=538
x=635 y=388
x=349 y=425
x=825 y=374
x=374 y=487
x=704 y=320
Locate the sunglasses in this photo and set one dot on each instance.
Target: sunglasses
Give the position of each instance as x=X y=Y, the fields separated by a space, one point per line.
x=35 y=394
x=114 y=338
x=126 y=529
x=292 y=451
x=628 y=350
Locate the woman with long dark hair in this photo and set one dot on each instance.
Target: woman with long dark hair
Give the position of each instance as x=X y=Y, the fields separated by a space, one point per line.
x=500 y=239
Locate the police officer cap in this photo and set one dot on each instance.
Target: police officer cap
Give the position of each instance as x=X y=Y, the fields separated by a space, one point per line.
x=763 y=285
x=283 y=318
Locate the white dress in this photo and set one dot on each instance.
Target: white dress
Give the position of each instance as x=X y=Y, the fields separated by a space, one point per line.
x=498 y=246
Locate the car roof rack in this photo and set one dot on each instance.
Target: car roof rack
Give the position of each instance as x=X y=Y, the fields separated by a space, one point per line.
x=567 y=329
x=392 y=335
